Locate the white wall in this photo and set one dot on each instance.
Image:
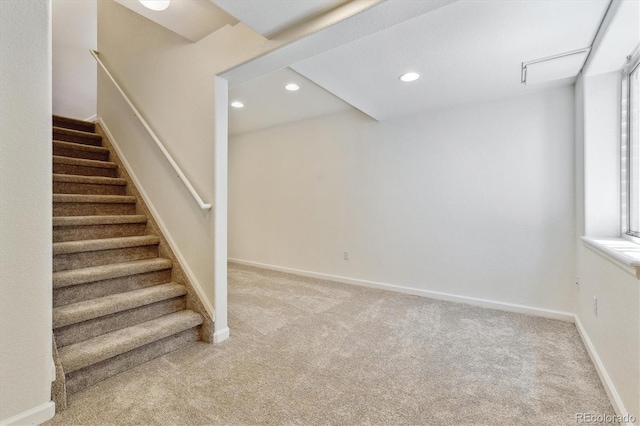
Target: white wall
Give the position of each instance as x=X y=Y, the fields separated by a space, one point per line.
x=601 y=105
x=615 y=330
x=75 y=31
x=25 y=209
x=476 y=201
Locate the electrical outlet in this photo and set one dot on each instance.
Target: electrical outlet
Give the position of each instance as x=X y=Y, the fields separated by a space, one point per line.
x=346 y=255
x=595 y=306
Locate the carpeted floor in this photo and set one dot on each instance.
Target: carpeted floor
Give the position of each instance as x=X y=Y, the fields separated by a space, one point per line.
x=308 y=352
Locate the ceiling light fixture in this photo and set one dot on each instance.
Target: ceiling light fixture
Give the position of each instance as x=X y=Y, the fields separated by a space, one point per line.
x=157 y=5
x=410 y=76
x=292 y=87
x=237 y=104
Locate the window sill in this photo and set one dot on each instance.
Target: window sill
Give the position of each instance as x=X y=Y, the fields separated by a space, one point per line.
x=622 y=252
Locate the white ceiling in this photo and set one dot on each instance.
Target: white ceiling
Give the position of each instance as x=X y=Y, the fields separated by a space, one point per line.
x=354 y=20
x=269 y=17
x=268 y=104
x=192 y=19
x=621 y=37
x=466 y=52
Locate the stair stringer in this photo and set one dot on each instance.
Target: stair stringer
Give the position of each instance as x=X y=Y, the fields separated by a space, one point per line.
x=58 y=386
x=165 y=250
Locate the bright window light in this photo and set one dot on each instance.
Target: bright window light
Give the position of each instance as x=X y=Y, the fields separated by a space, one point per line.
x=410 y=76
x=155 y=4
x=237 y=104
x=631 y=129
x=292 y=87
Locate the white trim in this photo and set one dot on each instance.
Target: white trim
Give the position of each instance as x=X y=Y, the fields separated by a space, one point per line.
x=34 y=416
x=621 y=252
x=220 y=166
x=607 y=383
x=181 y=260
x=93 y=118
x=221 y=335
x=485 y=303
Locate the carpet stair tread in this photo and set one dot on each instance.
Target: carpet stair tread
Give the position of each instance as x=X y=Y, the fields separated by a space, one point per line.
x=81 y=198
x=92 y=351
x=98 y=220
x=80 y=147
x=73 y=123
x=116 y=304
x=95 y=180
x=105 y=272
x=81 y=246
x=95 y=308
x=63 y=131
x=57 y=159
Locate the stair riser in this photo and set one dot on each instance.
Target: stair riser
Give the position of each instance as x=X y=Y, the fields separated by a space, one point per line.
x=77 y=233
x=81 y=292
x=92 y=209
x=88 y=189
x=93 y=374
x=92 y=328
x=73 y=169
x=63 y=262
x=74 y=153
x=86 y=140
x=74 y=125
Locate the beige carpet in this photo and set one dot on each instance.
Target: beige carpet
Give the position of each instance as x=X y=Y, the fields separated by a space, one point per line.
x=305 y=351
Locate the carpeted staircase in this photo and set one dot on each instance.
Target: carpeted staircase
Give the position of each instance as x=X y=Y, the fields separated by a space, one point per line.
x=116 y=302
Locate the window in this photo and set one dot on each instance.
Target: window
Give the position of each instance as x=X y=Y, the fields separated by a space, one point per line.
x=631 y=142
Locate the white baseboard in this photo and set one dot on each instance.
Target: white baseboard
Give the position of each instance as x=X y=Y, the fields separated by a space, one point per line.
x=174 y=247
x=609 y=387
x=221 y=335
x=34 y=416
x=485 y=303
x=92 y=118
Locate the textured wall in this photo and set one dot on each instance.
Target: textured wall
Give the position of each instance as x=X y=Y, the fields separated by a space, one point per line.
x=25 y=206
x=475 y=201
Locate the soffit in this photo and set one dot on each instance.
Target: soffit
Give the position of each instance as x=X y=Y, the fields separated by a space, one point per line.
x=192 y=19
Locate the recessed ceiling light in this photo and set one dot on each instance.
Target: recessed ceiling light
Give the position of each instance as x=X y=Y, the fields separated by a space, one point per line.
x=292 y=87
x=155 y=4
x=410 y=76
x=237 y=104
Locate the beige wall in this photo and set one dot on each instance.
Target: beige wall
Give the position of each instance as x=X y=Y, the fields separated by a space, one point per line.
x=172 y=82
x=25 y=210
